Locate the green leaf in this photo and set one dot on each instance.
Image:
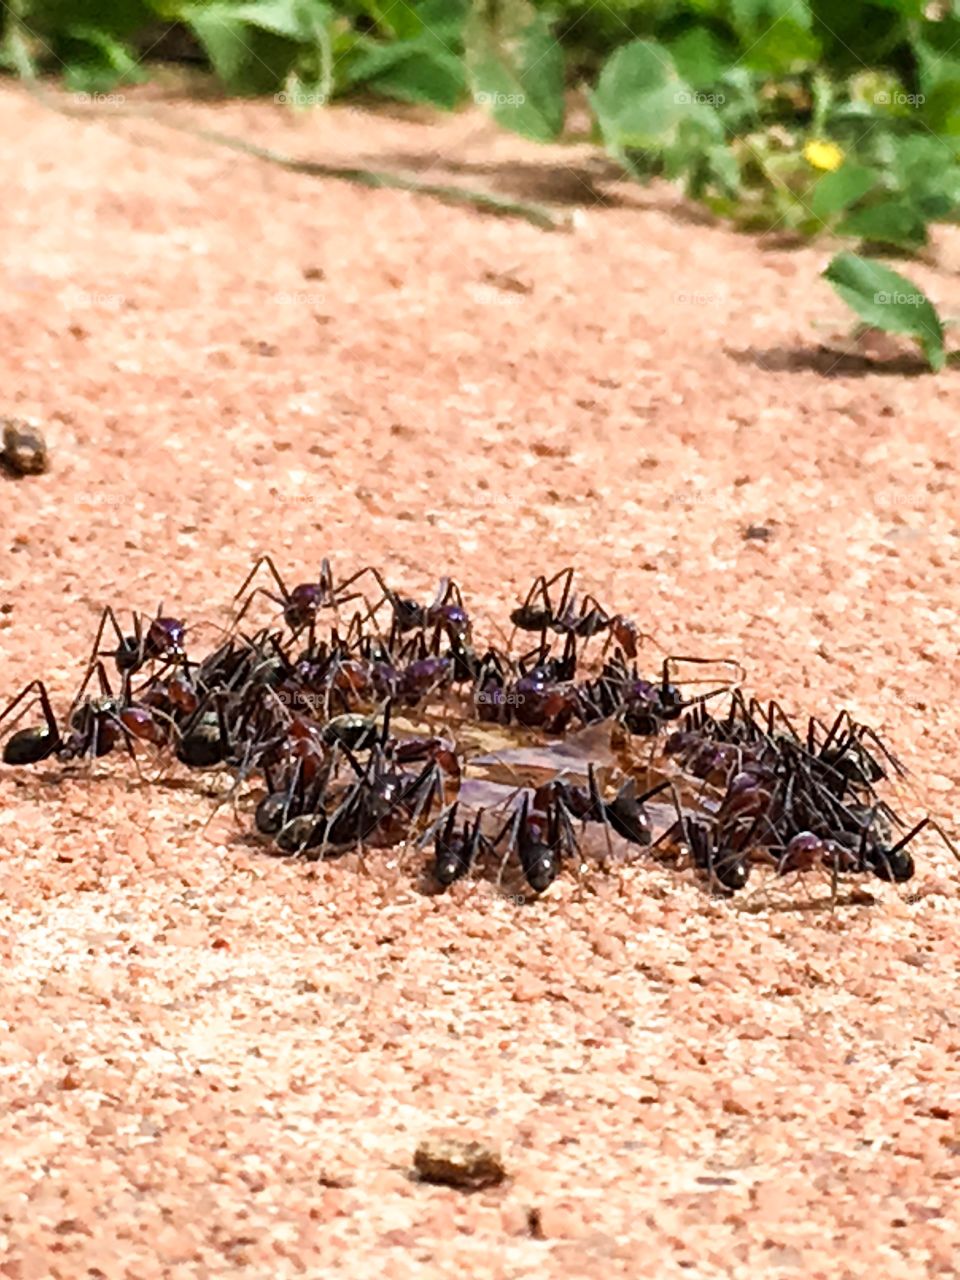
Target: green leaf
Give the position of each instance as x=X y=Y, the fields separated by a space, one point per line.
x=248 y=60
x=750 y=15
x=445 y=18
x=835 y=192
x=516 y=68
x=783 y=48
x=299 y=20
x=700 y=57
x=886 y=300
x=419 y=70
x=97 y=61
x=894 y=222
x=639 y=99
x=924 y=170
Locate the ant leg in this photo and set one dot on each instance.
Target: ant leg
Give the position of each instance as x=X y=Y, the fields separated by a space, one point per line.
x=443 y=593
x=383 y=736
x=387 y=597
x=267 y=561
x=566 y=576
x=128 y=741
x=447 y=819
x=843 y=720
x=104 y=679
x=914 y=831
x=426 y=787
x=353 y=640
x=775 y=713
x=538 y=590
x=257 y=591
x=676 y=832
x=510 y=829
x=702 y=698
x=30 y=746
x=325 y=580
x=106 y=616
x=865 y=731
x=348 y=582
x=599 y=808
x=592 y=611
x=40 y=689
x=932 y=822
x=95 y=669
x=567 y=666
x=562 y=836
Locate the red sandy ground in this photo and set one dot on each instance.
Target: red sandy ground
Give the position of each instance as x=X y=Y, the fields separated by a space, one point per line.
x=215 y=1063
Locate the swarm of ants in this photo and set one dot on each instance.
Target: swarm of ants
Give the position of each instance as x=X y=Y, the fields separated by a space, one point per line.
x=397 y=728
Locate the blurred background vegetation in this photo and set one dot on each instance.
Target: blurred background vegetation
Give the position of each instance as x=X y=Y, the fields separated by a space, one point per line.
x=801 y=115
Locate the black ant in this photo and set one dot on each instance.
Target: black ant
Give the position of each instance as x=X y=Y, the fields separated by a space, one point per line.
x=455 y=854
x=542 y=839
x=625 y=812
x=727 y=868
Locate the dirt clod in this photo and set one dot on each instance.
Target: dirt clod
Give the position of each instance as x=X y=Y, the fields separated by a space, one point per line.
x=466 y=1163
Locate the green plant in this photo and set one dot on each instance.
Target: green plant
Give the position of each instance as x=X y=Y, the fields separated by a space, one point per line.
x=884 y=299
x=802 y=116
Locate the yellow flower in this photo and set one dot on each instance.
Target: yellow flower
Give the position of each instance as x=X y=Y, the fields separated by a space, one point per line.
x=823 y=155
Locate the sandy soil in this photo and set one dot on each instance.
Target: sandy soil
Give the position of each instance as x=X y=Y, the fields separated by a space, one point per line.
x=214 y=1063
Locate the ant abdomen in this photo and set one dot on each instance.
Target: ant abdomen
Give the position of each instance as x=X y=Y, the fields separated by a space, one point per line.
x=30 y=746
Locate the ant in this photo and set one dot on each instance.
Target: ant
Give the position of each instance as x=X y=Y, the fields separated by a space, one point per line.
x=301 y=605
x=727 y=867
x=542 y=838
x=455 y=854
x=625 y=812
x=365 y=807
x=538 y=613
x=96 y=725
x=446 y=612
x=163 y=641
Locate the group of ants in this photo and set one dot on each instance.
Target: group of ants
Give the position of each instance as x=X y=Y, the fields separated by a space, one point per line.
x=307 y=708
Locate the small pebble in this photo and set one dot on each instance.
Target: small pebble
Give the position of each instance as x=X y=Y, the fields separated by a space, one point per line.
x=24 y=448
x=458 y=1162
x=757 y=533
